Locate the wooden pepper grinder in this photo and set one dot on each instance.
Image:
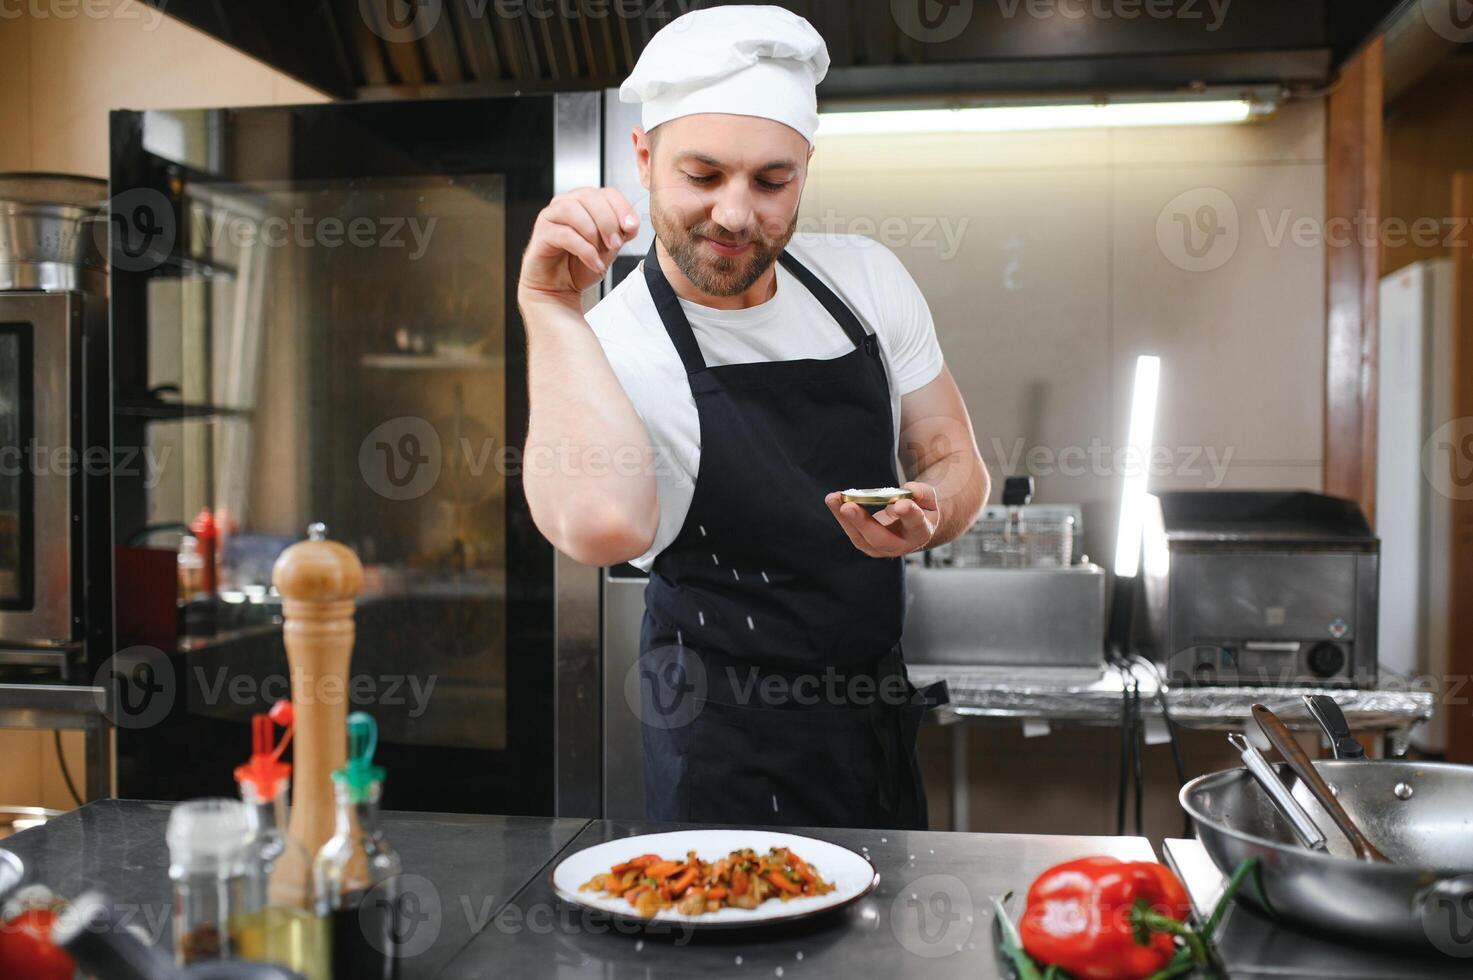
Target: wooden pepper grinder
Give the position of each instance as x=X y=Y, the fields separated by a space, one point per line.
x=318 y=580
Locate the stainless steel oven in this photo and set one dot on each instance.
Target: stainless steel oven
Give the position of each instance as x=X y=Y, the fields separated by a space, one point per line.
x=54 y=452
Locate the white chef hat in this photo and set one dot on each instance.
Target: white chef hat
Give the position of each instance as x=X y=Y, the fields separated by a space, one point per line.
x=744 y=60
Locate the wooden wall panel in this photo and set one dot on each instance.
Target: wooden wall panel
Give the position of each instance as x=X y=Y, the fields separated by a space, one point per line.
x=1352 y=276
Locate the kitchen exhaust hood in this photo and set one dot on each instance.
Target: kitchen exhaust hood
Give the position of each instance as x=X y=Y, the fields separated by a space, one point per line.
x=882 y=49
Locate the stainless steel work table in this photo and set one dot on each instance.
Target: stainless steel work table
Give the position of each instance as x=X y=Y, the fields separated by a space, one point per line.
x=1253 y=947
x=1000 y=695
x=67 y=706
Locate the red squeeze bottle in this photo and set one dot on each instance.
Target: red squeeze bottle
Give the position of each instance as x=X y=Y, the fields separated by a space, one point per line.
x=208 y=535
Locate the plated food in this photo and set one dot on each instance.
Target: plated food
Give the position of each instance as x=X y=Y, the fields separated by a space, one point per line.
x=742 y=879
x=840 y=876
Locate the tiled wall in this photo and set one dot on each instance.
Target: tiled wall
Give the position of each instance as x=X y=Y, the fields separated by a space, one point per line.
x=1050 y=260
x=62 y=68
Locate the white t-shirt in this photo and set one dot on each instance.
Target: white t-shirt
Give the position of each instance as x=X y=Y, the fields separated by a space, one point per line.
x=792 y=325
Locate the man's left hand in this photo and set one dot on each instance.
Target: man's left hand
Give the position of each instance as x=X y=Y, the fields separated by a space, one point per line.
x=899 y=529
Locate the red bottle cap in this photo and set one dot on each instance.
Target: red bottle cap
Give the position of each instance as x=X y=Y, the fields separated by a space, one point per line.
x=203 y=526
x=264 y=771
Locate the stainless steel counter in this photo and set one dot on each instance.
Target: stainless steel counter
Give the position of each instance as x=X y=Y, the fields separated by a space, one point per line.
x=1080 y=697
x=67 y=706
x=1252 y=946
x=999 y=695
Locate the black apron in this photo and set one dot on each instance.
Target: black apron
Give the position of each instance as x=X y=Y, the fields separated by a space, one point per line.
x=773 y=690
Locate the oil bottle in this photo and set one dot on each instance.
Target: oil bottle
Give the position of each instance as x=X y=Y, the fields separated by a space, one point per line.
x=273 y=915
x=356 y=873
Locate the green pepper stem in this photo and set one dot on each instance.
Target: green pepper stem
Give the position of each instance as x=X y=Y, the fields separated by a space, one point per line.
x=1240 y=874
x=1156 y=922
x=1012 y=943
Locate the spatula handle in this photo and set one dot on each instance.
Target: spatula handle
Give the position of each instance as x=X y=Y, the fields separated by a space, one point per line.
x=1278 y=733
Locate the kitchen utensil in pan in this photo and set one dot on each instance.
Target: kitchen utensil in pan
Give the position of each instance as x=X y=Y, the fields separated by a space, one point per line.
x=1419 y=813
x=1308 y=832
x=1325 y=711
x=1278 y=733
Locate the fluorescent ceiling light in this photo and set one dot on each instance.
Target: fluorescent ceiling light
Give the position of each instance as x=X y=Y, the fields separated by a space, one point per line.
x=1137 y=465
x=1004 y=119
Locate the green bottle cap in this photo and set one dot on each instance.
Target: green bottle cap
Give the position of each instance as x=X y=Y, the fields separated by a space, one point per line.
x=360 y=774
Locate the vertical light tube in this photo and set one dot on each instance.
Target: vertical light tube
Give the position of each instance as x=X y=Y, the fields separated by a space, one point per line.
x=1137 y=465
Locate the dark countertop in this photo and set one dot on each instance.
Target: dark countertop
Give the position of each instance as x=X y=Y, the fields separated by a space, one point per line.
x=476 y=863
x=487 y=908
x=930 y=917
x=497 y=917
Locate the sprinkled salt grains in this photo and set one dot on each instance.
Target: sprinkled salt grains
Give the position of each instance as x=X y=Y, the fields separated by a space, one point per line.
x=884 y=840
x=778 y=972
x=639 y=946
x=738 y=960
x=798 y=955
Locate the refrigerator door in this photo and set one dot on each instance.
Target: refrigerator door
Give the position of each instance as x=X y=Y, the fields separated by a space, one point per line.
x=1412 y=518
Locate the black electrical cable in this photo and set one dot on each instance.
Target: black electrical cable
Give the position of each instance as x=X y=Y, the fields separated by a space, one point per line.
x=1123 y=787
x=1177 y=760
x=65 y=773
x=1139 y=736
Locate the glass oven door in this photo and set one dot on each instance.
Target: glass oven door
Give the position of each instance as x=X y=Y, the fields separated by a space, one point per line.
x=315 y=320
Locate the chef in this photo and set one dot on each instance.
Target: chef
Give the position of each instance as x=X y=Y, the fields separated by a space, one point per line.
x=702 y=420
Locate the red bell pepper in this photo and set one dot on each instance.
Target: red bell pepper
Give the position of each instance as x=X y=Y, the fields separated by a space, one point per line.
x=26 y=949
x=1099 y=918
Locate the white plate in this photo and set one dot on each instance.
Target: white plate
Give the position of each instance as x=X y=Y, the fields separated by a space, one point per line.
x=852 y=875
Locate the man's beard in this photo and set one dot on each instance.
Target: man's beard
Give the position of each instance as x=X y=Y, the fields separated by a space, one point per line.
x=718 y=275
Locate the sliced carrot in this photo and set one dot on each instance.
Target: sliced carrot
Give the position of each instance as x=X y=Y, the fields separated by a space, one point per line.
x=683 y=881
x=663 y=869
x=633 y=894
x=739 y=882
x=781 y=882
x=715 y=893
x=643 y=861
x=800 y=866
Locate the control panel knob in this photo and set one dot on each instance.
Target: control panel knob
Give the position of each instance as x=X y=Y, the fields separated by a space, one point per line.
x=1326 y=659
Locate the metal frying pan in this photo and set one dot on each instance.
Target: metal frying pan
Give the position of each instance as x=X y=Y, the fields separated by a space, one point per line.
x=1419 y=813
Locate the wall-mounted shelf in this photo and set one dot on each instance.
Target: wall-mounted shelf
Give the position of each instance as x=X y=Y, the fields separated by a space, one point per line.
x=155 y=409
x=431 y=362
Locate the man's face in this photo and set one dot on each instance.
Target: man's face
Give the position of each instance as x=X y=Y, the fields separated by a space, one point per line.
x=724 y=193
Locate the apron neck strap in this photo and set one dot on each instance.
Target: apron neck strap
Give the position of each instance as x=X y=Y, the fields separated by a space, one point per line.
x=668 y=305
x=837 y=308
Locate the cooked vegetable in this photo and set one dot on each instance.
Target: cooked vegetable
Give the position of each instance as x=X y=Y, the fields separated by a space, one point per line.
x=741 y=879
